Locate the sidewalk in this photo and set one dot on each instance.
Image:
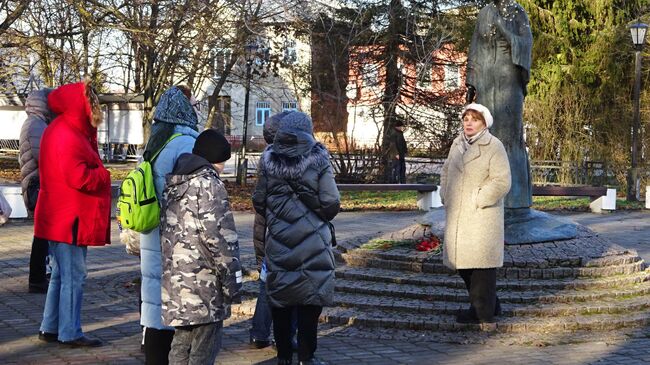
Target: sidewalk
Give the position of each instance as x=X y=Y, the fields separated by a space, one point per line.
x=111 y=309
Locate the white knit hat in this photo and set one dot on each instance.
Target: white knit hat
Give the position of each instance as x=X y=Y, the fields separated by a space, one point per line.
x=485 y=112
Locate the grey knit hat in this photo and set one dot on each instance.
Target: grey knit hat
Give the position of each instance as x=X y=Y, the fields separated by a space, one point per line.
x=297 y=120
x=272 y=125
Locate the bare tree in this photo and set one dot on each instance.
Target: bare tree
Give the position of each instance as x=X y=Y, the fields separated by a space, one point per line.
x=385 y=56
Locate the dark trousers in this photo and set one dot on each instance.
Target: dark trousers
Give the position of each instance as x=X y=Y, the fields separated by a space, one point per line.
x=307 y=330
x=196 y=345
x=37 y=261
x=482 y=288
x=157 y=344
x=398 y=173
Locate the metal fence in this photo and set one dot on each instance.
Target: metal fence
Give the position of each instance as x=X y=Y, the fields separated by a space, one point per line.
x=8 y=147
x=364 y=166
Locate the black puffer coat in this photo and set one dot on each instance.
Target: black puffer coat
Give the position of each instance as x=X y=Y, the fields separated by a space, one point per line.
x=296 y=192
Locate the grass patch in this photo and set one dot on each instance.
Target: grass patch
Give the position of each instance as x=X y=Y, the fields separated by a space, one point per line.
x=560 y=203
x=553 y=203
x=118 y=174
x=378 y=200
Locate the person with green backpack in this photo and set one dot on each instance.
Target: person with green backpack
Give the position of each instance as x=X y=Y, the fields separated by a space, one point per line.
x=173 y=133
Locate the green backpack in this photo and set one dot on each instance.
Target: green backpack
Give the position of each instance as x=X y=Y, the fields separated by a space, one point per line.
x=137 y=205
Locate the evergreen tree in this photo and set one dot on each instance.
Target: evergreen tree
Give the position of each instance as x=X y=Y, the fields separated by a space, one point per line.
x=579 y=104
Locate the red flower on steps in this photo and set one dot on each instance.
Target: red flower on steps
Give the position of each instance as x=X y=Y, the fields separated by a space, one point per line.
x=428 y=244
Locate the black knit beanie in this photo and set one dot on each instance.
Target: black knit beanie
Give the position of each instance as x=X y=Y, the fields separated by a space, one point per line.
x=212 y=146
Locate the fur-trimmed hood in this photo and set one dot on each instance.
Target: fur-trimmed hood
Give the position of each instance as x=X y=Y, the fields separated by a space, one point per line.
x=291 y=153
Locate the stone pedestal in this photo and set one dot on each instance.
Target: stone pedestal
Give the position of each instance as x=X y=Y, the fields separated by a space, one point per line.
x=527 y=226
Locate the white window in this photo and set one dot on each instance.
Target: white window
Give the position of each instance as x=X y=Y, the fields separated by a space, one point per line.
x=452 y=77
x=262 y=112
x=289 y=106
x=370 y=74
x=290 y=55
x=423 y=70
x=221 y=57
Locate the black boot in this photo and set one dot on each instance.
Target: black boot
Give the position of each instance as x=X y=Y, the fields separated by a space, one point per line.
x=467 y=316
x=39 y=288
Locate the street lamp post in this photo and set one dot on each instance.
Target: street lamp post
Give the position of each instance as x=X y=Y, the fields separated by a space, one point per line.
x=638 y=31
x=242 y=169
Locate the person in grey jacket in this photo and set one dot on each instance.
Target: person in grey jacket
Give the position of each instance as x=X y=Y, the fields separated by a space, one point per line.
x=201 y=274
x=297 y=194
x=39 y=116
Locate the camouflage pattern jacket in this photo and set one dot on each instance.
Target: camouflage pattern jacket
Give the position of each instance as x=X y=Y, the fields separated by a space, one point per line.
x=200 y=252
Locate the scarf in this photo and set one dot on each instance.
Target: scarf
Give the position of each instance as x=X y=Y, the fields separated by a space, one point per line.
x=465 y=142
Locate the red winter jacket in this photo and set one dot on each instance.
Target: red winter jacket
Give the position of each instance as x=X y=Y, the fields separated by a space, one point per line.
x=75 y=193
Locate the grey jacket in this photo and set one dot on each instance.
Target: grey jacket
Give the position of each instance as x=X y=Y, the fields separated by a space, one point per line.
x=201 y=273
x=296 y=193
x=38 y=117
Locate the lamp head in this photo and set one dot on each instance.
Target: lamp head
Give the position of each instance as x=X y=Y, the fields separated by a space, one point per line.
x=638 y=31
x=250 y=51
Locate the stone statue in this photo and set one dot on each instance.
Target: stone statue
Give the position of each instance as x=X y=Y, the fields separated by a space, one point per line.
x=498 y=70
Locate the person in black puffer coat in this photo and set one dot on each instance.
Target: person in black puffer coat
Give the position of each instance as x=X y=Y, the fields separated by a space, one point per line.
x=297 y=194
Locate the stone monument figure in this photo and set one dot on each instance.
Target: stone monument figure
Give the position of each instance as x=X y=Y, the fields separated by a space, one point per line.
x=498 y=70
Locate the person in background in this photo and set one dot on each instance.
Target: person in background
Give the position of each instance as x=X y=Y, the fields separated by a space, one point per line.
x=398 y=154
x=201 y=270
x=474 y=181
x=73 y=207
x=5 y=210
x=298 y=196
x=38 y=117
x=174 y=115
x=260 y=331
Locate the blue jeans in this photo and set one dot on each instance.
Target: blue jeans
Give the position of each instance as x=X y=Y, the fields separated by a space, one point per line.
x=62 y=313
x=262 y=318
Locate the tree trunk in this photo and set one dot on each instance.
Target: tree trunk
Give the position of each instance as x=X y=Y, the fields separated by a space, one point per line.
x=391 y=88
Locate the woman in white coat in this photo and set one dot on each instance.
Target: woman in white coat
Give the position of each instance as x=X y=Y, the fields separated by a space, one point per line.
x=475 y=179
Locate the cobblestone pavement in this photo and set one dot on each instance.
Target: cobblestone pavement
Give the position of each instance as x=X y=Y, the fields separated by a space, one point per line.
x=110 y=310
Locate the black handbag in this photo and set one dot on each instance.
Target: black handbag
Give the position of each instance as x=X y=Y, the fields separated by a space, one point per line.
x=330 y=224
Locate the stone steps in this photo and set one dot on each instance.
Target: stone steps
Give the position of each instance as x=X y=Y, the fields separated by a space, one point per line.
x=441 y=322
x=454 y=281
x=553 y=288
x=460 y=295
x=617 y=257
x=357 y=259
x=405 y=305
x=370 y=318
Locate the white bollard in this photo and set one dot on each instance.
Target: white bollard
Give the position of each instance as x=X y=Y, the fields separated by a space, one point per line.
x=647 y=197
x=605 y=202
x=13 y=194
x=429 y=199
x=609 y=201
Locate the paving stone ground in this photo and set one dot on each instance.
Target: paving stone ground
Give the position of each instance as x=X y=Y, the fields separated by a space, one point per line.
x=110 y=310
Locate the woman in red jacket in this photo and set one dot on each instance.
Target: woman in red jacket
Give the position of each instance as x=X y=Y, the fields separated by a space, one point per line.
x=73 y=207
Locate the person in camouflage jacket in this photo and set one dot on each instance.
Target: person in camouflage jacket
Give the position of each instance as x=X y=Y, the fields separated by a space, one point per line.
x=200 y=252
